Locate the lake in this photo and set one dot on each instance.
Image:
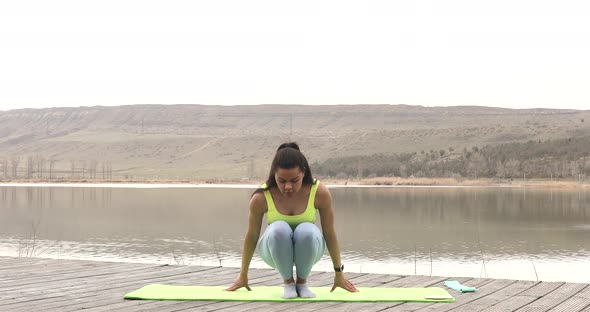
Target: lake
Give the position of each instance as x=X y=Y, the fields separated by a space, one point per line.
x=495 y=232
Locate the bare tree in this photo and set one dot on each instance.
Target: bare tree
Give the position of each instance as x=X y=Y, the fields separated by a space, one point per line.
x=14 y=161
x=73 y=163
x=40 y=169
x=574 y=169
x=512 y=168
x=107 y=170
x=93 y=165
x=84 y=169
x=30 y=166
x=52 y=162
x=500 y=169
x=476 y=165
x=4 y=168
x=359 y=169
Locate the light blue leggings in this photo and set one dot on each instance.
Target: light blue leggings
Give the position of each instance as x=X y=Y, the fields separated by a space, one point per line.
x=281 y=247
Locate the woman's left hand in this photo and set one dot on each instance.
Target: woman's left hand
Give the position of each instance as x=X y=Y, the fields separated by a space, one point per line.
x=342 y=282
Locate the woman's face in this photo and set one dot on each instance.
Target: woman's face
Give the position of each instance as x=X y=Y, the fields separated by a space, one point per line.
x=289 y=181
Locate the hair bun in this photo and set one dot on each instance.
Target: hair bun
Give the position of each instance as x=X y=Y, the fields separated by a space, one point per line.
x=289 y=144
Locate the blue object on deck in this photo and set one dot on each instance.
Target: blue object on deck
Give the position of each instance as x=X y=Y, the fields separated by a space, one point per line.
x=458 y=287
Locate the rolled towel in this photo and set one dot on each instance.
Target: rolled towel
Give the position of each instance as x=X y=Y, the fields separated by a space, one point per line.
x=458 y=287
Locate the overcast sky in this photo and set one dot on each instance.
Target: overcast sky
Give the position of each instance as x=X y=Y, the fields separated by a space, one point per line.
x=518 y=54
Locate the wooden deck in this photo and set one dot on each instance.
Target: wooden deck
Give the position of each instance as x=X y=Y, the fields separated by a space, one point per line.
x=70 y=285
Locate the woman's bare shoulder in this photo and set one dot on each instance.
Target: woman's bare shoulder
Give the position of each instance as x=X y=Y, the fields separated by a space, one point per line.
x=323 y=189
x=258 y=203
x=323 y=196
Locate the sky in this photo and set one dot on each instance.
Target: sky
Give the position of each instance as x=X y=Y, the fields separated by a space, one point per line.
x=514 y=54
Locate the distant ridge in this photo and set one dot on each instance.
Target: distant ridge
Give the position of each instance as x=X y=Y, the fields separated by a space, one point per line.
x=233 y=142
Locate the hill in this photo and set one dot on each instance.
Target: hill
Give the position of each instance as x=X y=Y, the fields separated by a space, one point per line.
x=198 y=142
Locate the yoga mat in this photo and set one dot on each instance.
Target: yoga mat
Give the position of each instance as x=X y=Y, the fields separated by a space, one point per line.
x=273 y=293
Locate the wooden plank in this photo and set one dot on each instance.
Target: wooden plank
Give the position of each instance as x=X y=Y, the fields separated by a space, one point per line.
x=584 y=293
x=401 y=306
x=44 y=269
x=497 y=296
x=104 y=296
x=365 y=279
x=578 y=302
x=434 y=281
x=336 y=306
x=362 y=306
x=25 y=263
x=209 y=307
x=33 y=283
x=467 y=298
x=146 y=305
x=413 y=306
x=525 y=298
x=62 y=293
x=33 y=267
x=75 y=272
x=313 y=306
x=71 y=285
x=546 y=302
x=543 y=289
x=573 y=304
x=89 y=287
x=9 y=260
x=213 y=280
x=115 y=293
x=399 y=281
x=47 y=269
x=511 y=304
x=271 y=275
x=123 y=275
x=359 y=281
x=316 y=279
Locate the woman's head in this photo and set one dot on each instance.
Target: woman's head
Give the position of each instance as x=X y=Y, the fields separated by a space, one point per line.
x=289 y=169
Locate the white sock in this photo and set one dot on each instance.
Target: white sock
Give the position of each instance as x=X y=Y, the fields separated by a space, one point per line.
x=290 y=291
x=304 y=292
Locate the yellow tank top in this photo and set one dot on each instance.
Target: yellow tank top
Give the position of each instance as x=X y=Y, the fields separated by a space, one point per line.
x=308 y=215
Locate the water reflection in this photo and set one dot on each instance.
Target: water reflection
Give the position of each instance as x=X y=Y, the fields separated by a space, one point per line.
x=494 y=232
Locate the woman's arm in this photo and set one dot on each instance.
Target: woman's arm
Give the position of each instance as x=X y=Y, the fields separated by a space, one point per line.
x=324 y=205
x=257 y=210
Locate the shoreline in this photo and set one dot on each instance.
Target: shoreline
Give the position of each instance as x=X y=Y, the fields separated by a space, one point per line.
x=367 y=182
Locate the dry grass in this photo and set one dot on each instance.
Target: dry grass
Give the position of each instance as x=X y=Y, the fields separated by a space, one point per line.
x=557 y=184
x=412 y=181
x=455 y=182
x=383 y=181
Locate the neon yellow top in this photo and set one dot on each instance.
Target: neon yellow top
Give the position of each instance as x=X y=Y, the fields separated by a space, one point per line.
x=308 y=215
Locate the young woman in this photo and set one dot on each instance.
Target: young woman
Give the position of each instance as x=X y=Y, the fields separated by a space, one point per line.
x=290 y=198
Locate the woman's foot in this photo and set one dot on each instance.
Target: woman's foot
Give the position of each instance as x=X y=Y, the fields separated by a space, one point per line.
x=290 y=291
x=303 y=291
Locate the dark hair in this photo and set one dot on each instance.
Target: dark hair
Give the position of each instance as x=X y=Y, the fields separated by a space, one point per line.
x=288 y=156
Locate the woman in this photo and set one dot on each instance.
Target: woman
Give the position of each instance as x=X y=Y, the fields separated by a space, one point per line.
x=290 y=198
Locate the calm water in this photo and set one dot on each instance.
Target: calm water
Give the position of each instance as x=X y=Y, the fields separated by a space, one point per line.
x=479 y=232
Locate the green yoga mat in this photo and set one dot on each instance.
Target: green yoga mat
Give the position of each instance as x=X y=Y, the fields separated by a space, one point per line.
x=273 y=293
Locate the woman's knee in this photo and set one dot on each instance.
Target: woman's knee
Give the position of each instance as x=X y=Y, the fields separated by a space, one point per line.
x=279 y=230
x=307 y=232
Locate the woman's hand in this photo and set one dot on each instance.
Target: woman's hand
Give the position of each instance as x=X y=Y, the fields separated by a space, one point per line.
x=342 y=282
x=242 y=281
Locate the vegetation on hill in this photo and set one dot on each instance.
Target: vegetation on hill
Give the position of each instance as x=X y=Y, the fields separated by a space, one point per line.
x=564 y=158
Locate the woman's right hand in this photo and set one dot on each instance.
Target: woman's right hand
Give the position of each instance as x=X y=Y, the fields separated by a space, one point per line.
x=242 y=281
